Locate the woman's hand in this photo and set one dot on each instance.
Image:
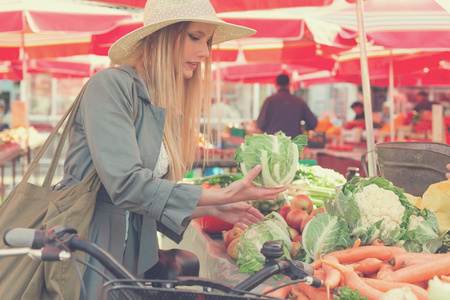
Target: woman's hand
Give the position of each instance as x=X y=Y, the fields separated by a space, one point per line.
x=448 y=173
x=240 y=190
x=238 y=214
x=244 y=189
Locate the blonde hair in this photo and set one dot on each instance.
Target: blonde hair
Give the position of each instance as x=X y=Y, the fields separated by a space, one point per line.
x=184 y=99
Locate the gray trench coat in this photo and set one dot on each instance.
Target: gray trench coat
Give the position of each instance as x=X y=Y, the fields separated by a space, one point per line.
x=125 y=154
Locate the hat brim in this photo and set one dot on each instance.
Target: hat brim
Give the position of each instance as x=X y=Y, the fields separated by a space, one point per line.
x=124 y=47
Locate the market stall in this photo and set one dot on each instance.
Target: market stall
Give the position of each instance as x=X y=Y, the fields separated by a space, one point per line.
x=15 y=147
x=330 y=221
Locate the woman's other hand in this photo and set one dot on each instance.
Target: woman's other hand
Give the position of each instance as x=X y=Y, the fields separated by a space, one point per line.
x=448 y=173
x=239 y=213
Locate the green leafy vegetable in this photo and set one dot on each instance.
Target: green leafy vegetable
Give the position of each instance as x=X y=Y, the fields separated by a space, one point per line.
x=271 y=228
x=277 y=154
x=375 y=208
x=324 y=234
x=346 y=293
x=316 y=182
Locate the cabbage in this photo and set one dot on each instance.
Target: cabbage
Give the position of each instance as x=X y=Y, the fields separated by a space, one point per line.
x=325 y=234
x=272 y=228
x=277 y=154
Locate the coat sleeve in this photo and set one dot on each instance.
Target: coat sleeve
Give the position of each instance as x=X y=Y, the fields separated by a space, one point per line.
x=107 y=119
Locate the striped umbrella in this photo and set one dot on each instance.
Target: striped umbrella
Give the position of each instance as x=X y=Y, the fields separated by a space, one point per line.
x=234 y=5
x=51 y=28
x=420 y=24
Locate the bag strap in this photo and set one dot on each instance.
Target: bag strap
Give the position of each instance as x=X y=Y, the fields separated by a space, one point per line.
x=71 y=111
x=55 y=159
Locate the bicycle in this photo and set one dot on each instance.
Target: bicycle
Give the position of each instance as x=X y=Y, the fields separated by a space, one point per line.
x=58 y=243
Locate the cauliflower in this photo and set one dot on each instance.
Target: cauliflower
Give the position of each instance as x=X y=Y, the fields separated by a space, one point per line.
x=414 y=222
x=403 y=293
x=376 y=203
x=437 y=289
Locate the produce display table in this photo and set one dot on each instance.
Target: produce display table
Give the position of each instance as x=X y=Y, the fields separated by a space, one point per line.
x=214 y=261
x=339 y=160
x=221 y=163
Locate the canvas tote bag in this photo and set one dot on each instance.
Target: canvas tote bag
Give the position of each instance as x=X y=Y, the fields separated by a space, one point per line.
x=40 y=207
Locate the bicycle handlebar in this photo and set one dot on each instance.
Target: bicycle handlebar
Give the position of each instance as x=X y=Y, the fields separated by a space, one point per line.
x=49 y=242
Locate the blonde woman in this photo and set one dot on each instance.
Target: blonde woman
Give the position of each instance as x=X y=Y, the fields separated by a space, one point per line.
x=139 y=160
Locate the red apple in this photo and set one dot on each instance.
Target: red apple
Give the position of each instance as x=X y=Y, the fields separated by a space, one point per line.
x=284 y=210
x=293 y=233
x=303 y=202
x=230 y=235
x=316 y=210
x=298 y=239
x=305 y=221
x=295 y=218
x=296 y=249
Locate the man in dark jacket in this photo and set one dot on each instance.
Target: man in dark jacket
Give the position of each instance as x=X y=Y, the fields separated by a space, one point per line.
x=423 y=103
x=284 y=111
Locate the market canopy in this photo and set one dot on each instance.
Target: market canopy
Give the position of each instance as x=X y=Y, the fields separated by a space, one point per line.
x=234 y=5
x=51 y=28
x=420 y=24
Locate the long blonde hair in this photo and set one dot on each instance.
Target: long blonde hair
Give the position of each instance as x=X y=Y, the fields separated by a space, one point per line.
x=184 y=99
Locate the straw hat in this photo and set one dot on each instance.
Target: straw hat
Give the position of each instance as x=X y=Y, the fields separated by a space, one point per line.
x=161 y=13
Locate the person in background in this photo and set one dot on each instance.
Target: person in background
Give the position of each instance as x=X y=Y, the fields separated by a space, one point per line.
x=423 y=103
x=385 y=113
x=285 y=111
x=359 y=119
x=158 y=75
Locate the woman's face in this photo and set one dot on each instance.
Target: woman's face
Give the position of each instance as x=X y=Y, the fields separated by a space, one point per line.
x=195 y=48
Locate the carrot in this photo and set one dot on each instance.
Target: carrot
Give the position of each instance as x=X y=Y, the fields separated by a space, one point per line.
x=385 y=286
x=316 y=264
x=279 y=293
x=312 y=292
x=420 y=272
x=205 y=185
x=360 y=253
x=298 y=294
x=423 y=284
x=404 y=260
x=332 y=276
x=320 y=273
x=359 y=273
x=355 y=254
x=367 y=265
x=377 y=242
x=357 y=243
x=385 y=269
x=371 y=275
x=355 y=282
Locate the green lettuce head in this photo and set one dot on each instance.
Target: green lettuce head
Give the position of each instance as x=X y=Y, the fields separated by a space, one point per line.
x=278 y=155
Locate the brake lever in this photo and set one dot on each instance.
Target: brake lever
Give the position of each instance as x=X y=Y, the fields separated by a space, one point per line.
x=305 y=272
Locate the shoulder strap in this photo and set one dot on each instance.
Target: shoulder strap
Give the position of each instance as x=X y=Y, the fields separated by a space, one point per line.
x=69 y=113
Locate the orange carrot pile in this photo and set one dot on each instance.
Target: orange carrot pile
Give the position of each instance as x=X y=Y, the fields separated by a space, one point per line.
x=376 y=269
